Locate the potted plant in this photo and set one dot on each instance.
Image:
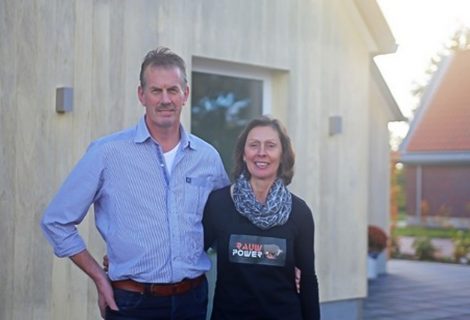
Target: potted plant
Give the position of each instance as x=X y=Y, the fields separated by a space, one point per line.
x=377 y=242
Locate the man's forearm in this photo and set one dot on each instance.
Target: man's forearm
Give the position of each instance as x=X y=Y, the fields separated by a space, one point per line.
x=88 y=264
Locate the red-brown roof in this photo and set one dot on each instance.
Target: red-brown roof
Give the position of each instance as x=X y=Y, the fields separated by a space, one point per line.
x=444 y=124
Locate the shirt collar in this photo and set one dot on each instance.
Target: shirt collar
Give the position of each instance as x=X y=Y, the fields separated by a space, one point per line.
x=142 y=134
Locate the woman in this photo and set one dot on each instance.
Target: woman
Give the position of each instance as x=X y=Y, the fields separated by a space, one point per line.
x=261 y=232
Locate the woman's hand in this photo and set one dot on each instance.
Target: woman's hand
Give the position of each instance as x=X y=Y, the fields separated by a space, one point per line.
x=297 y=279
x=105 y=263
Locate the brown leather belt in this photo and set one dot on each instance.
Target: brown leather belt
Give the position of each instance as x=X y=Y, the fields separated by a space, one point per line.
x=159 y=289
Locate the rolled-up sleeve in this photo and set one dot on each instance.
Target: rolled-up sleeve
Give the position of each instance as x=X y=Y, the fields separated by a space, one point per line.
x=71 y=204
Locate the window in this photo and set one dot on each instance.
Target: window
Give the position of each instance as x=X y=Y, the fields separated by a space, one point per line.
x=223 y=100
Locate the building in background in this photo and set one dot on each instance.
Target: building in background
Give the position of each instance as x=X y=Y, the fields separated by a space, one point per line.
x=436 y=150
x=309 y=63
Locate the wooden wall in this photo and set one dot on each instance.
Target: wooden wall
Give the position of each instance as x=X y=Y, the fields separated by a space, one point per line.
x=96 y=47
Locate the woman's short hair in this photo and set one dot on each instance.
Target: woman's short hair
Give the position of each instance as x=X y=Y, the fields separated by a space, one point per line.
x=286 y=167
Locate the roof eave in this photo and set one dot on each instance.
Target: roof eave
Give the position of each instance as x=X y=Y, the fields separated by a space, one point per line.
x=377 y=25
x=453 y=157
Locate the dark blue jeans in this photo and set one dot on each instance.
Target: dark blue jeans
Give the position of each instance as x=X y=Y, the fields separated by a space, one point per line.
x=135 y=306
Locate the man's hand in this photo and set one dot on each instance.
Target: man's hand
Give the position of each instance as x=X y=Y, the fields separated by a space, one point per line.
x=88 y=264
x=105 y=297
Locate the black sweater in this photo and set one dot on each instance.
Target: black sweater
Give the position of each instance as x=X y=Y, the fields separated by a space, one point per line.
x=255 y=268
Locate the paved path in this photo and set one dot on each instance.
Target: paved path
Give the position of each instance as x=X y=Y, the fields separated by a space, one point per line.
x=413 y=290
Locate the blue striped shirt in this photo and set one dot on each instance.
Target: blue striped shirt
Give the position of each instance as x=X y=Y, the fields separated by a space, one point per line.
x=150 y=221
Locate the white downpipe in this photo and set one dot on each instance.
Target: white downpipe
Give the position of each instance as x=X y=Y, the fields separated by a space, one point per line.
x=419 y=191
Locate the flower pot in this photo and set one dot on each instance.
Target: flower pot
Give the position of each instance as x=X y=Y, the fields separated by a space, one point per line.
x=372 y=267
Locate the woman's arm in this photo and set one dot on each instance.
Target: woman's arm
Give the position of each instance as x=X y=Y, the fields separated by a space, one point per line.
x=305 y=261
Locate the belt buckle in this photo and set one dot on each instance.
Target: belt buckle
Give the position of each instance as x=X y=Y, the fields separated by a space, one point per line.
x=156 y=289
x=150 y=289
x=153 y=289
x=171 y=289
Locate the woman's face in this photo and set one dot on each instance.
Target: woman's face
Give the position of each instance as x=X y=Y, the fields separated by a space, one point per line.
x=262 y=153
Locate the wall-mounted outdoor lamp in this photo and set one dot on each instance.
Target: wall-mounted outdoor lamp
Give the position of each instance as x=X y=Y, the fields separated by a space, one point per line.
x=335 y=125
x=64 y=99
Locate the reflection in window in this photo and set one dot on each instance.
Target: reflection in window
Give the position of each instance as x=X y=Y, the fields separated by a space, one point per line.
x=220 y=108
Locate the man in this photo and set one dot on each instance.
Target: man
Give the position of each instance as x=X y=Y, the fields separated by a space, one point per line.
x=149 y=185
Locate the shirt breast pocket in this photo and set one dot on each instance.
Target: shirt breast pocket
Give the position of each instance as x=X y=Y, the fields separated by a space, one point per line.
x=197 y=190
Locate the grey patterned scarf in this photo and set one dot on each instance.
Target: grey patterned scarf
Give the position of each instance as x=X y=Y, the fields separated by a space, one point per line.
x=274 y=212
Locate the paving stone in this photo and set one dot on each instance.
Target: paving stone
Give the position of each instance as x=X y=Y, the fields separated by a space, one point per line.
x=416 y=290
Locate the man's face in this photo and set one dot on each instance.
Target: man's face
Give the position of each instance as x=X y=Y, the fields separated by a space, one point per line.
x=163 y=96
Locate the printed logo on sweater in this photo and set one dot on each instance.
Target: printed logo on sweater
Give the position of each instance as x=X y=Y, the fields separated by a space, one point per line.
x=257 y=250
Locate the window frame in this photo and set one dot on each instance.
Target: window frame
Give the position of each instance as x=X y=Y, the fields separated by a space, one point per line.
x=243 y=71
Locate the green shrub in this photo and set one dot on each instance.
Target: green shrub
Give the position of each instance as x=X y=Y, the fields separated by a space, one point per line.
x=395 y=247
x=461 y=246
x=424 y=249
